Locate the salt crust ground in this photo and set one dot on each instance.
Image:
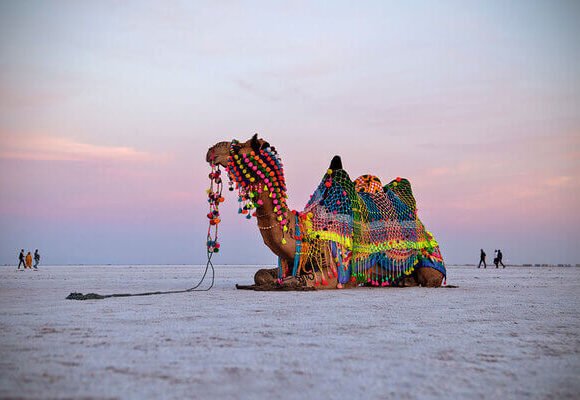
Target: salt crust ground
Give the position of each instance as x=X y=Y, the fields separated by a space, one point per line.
x=511 y=333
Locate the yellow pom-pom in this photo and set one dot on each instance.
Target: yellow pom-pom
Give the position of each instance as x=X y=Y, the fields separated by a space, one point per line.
x=252 y=179
x=329 y=172
x=285 y=228
x=279 y=218
x=283 y=241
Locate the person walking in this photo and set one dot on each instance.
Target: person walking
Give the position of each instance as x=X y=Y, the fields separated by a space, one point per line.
x=36 y=259
x=28 y=260
x=21 y=259
x=499 y=259
x=482 y=259
x=495 y=259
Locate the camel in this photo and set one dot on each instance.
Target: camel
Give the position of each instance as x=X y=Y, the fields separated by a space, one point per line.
x=305 y=263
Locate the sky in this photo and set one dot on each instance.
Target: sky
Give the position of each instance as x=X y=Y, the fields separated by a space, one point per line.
x=107 y=110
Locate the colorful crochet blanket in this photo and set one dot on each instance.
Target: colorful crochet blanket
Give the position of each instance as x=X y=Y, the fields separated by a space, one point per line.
x=371 y=232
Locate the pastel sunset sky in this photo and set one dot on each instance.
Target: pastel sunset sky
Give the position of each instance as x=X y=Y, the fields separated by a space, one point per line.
x=107 y=110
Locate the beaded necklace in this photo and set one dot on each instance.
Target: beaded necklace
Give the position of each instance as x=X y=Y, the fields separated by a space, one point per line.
x=255 y=173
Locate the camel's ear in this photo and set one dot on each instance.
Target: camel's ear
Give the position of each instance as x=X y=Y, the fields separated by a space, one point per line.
x=336 y=163
x=255 y=144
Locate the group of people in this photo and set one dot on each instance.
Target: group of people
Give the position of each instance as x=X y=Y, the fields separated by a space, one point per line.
x=26 y=261
x=497 y=260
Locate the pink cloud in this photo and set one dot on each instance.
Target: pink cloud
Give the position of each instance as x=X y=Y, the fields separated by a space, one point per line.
x=50 y=148
x=439 y=171
x=559 y=181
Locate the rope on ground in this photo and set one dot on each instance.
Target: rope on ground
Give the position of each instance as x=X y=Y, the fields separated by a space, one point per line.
x=196 y=288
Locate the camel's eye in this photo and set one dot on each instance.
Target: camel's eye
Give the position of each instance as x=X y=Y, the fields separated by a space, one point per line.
x=235 y=149
x=264 y=145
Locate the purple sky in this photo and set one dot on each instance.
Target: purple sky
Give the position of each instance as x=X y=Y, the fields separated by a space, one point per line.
x=107 y=110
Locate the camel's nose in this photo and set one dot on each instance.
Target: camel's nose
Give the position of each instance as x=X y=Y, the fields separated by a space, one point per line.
x=218 y=153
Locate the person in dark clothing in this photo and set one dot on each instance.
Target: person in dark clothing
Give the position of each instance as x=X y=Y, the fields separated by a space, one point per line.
x=496 y=259
x=499 y=259
x=482 y=259
x=36 y=259
x=21 y=259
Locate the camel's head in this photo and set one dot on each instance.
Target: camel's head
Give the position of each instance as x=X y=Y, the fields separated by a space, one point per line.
x=251 y=165
x=255 y=168
x=219 y=154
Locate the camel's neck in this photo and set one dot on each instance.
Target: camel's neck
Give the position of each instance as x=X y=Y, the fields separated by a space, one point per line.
x=271 y=230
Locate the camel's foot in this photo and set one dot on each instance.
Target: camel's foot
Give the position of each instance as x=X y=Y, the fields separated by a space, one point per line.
x=289 y=284
x=267 y=280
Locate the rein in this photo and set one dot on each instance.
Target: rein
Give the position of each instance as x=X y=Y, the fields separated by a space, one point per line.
x=214 y=198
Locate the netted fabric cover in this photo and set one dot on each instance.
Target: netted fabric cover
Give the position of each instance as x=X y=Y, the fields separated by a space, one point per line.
x=371 y=233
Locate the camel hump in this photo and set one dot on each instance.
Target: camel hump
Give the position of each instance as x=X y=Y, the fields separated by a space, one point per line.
x=368 y=184
x=336 y=163
x=402 y=188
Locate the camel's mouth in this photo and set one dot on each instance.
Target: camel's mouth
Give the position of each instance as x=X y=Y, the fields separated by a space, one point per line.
x=210 y=156
x=218 y=154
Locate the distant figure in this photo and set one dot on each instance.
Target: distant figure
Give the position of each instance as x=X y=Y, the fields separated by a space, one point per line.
x=496 y=259
x=21 y=259
x=28 y=260
x=499 y=259
x=482 y=259
x=36 y=259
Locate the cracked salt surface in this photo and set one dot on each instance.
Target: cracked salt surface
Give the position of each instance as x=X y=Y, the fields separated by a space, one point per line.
x=512 y=333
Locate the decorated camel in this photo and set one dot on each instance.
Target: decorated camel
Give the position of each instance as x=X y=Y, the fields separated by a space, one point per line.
x=351 y=233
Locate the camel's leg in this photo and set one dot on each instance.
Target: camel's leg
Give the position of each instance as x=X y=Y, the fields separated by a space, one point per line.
x=429 y=277
x=266 y=276
x=408 y=281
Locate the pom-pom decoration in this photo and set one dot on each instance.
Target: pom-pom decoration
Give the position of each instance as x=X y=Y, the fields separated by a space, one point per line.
x=214 y=198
